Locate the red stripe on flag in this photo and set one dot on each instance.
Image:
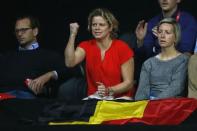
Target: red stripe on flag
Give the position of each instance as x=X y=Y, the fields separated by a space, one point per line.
x=163 y=112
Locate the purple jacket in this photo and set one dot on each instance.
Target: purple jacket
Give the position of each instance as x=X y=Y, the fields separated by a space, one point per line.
x=188 y=34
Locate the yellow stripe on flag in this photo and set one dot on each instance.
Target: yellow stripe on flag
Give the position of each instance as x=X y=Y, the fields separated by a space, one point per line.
x=69 y=123
x=111 y=110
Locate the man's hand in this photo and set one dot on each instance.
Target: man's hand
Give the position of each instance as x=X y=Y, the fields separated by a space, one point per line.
x=140 y=32
x=37 y=84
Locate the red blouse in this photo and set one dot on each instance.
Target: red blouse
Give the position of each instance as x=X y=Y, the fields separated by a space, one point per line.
x=108 y=70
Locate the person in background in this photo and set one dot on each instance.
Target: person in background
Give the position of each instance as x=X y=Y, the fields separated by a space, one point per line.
x=109 y=62
x=192 y=79
x=146 y=32
x=25 y=73
x=164 y=75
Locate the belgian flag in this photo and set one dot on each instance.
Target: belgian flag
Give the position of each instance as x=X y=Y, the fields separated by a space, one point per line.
x=171 y=111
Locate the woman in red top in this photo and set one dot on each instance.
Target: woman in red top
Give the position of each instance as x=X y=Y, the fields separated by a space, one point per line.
x=109 y=62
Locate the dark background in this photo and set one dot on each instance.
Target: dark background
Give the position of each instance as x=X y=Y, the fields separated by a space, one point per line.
x=55 y=16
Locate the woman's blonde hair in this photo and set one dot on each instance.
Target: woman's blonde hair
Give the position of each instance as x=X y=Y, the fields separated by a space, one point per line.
x=176 y=28
x=108 y=16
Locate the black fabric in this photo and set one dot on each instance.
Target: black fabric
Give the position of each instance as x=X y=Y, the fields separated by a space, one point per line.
x=17 y=66
x=73 y=90
x=130 y=39
x=61 y=111
x=18 y=112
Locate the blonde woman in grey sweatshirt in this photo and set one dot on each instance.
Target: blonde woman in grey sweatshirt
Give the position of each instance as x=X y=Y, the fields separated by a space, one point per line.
x=164 y=75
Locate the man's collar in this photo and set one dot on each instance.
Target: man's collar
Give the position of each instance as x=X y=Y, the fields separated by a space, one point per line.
x=175 y=15
x=33 y=46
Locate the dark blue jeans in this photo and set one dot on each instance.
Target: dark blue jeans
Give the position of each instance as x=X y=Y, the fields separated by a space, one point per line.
x=73 y=90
